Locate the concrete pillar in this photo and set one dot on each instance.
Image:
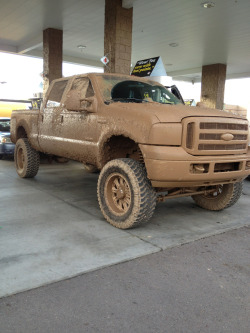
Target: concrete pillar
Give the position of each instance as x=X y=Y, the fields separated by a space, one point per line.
x=118 y=37
x=213 y=85
x=52 y=56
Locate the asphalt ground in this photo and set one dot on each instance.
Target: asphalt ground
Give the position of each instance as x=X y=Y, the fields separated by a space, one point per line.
x=203 y=286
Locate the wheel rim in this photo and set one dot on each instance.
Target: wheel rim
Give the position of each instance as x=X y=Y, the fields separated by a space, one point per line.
x=217 y=192
x=20 y=159
x=118 y=194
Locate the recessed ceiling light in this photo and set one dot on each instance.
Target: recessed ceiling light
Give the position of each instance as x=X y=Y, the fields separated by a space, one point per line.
x=208 y=4
x=81 y=47
x=173 y=44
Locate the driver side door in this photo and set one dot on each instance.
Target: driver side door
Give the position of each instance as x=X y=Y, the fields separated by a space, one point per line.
x=79 y=129
x=50 y=121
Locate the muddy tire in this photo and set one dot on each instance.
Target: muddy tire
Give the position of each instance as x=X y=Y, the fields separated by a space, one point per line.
x=126 y=196
x=26 y=159
x=224 y=196
x=90 y=168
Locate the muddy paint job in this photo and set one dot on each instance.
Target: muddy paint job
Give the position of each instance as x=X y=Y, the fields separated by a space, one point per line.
x=81 y=126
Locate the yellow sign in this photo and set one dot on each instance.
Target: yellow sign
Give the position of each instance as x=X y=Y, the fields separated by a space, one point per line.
x=7 y=107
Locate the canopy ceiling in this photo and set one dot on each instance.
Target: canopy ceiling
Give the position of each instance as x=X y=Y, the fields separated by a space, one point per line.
x=220 y=34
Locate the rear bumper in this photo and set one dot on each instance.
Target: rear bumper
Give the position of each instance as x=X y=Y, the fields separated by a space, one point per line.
x=174 y=167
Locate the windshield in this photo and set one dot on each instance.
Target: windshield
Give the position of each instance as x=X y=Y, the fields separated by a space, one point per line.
x=4 y=125
x=120 y=89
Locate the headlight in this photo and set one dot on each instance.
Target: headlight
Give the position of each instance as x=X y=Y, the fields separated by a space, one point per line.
x=3 y=140
x=166 y=134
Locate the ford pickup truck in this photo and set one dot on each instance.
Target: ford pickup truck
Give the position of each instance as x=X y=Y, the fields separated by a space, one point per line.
x=146 y=144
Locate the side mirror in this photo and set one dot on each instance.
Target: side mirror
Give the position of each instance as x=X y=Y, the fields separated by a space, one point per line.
x=74 y=102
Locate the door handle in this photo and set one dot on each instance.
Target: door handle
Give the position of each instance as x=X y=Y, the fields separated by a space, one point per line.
x=102 y=121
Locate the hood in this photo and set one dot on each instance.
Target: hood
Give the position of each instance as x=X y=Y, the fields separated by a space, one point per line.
x=175 y=113
x=171 y=113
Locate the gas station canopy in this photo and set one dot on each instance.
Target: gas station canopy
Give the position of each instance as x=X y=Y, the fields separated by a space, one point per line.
x=186 y=34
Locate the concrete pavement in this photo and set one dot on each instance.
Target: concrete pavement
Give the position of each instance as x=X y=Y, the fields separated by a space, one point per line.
x=199 y=287
x=51 y=227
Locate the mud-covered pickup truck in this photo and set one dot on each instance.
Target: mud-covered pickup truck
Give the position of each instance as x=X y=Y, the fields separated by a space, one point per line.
x=147 y=146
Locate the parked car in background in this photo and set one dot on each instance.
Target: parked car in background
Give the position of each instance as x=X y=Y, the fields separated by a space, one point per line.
x=6 y=146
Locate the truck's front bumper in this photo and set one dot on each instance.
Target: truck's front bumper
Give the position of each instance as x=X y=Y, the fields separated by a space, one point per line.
x=174 y=167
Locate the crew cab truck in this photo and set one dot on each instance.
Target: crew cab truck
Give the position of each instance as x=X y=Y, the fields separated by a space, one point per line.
x=147 y=146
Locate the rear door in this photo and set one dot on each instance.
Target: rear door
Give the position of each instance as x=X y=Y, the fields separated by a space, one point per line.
x=50 y=122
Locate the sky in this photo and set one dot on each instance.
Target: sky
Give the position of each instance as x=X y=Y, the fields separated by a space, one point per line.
x=22 y=75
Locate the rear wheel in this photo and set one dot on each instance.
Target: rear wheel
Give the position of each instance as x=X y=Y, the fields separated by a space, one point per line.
x=126 y=196
x=26 y=158
x=223 y=196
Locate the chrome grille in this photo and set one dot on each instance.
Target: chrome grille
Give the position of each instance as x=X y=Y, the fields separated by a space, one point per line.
x=217 y=136
x=224 y=126
x=190 y=135
x=213 y=136
x=221 y=147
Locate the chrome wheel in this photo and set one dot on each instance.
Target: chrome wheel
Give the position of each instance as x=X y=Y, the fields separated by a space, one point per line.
x=20 y=159
x=118 y=194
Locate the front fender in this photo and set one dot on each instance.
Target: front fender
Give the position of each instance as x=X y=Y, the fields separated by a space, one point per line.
x=104 y=138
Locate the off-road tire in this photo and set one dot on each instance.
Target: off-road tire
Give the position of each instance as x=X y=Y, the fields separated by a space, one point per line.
x=127 y=176
x=26 y=158
x=227 y=196
x=90 y=168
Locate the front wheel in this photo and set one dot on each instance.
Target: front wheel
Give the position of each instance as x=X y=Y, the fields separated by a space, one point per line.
x=126 y=196
x=26 y=158
x=223 y=196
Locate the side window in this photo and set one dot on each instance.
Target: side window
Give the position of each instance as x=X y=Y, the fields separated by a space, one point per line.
x=83 y=85
x=56 y=93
